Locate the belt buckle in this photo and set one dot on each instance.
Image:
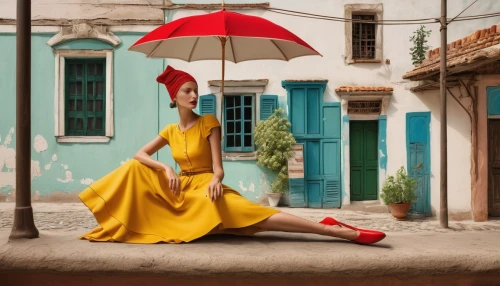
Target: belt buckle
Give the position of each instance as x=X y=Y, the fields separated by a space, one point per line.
x=189 y=174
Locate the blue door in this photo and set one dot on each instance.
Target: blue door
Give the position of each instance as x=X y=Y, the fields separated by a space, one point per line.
x=418 y=158
x=316 y=124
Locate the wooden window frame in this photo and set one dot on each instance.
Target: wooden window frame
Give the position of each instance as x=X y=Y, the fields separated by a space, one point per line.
x=241 y=121
x=255 y=87
x=84 y=113
x=60 y=98
x=366 y=9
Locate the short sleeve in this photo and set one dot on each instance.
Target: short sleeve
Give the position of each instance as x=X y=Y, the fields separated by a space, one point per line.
x=209 y=122
x=164 y=133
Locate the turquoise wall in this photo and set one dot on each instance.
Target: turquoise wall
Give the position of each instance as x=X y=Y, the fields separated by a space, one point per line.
x=140 y=111
x=135 y=112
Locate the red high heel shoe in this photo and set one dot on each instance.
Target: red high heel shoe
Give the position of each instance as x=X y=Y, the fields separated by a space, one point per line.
x=366 y=236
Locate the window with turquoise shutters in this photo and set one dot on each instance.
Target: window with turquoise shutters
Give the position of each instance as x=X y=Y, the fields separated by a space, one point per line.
x=207 y=104
x=268 y=104
x=85 y=97
x=239 y=122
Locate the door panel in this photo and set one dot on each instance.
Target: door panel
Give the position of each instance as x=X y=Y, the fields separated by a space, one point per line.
x=371 y=160
x=314 y=193
x=298 y=119
x=313 y=114
x=331 y=172
x=371 y=184
x=418 y=158
x=494 y=168
x=313 y=158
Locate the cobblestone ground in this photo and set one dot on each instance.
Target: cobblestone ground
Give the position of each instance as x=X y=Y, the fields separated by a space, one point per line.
x=76 y=217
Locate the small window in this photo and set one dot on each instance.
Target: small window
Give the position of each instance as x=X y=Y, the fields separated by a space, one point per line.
x=239 y=122
x=363 y=42
x=363 y=37
x=85 y=97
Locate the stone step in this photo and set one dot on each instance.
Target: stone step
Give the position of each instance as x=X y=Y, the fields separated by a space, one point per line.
x=366 y=206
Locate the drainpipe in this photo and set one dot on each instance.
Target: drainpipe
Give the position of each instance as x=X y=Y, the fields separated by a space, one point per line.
x=443 y=210
x=24 y=226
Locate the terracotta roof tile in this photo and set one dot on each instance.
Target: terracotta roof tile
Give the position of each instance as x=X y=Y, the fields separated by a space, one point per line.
x=459 y=51
x=363 y=89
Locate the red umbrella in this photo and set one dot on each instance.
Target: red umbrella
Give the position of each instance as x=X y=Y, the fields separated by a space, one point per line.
x=222 y=35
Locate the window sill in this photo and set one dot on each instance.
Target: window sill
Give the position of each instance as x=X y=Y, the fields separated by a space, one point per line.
x=83 y=139
x=250 y=156
x=364 y=61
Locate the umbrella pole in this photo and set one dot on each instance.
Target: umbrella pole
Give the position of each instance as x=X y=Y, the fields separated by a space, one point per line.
x=223 y=43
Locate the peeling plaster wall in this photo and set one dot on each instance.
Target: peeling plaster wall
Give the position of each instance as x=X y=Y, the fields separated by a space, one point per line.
x=71 y=167
x=141 y=106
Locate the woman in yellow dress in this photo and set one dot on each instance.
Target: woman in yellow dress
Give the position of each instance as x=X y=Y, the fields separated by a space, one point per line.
x=145 y=201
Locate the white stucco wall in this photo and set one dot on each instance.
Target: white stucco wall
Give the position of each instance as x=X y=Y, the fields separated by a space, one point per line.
x=329 y=39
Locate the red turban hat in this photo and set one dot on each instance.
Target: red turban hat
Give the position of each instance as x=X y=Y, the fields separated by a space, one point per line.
x=173 y=79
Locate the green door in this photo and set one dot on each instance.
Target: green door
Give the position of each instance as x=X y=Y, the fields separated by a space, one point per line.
x=364 y=160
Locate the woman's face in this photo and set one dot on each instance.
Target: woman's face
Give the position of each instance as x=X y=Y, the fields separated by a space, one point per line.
x=187 y=96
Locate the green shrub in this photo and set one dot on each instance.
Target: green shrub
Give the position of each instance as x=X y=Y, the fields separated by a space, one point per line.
x=401 y=189
x=274 y=141
x=419 y=45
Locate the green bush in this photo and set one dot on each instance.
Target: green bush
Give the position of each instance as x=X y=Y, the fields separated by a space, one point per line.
x=401 y=189
x=274 y=141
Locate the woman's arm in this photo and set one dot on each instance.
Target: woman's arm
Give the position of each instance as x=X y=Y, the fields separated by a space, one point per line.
x=144 y=156
x=215 y=146
x=215 y=187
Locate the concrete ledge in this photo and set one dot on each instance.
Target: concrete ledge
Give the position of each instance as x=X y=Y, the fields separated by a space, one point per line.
x=267 y=255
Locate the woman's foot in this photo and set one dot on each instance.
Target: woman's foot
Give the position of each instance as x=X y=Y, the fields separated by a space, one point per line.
x=359 y=235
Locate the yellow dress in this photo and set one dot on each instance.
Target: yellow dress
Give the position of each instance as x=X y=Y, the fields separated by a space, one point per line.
x=134 y=204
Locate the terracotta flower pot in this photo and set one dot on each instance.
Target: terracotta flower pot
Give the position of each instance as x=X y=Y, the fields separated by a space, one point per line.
x=399 y=211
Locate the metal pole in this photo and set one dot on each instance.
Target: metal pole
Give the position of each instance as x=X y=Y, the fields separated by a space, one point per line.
x=24 y=226
x=443 y=217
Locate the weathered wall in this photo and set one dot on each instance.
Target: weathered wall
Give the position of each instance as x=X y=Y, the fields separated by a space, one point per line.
x=328 y=38
x=110 y=11
x=141 y=106
x=71 y=166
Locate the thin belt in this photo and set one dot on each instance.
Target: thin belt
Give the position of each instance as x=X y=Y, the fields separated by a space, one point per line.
x=184 y=173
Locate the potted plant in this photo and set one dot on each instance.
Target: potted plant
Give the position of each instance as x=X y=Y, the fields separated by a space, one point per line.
x=399 y=193
x=274 y=141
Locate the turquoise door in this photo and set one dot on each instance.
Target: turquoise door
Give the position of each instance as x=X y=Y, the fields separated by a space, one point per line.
x=418 y=158
x=316 y=124
x=363 y=147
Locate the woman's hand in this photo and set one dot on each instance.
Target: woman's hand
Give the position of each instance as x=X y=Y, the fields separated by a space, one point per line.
x=173 y=180
x=214 y=190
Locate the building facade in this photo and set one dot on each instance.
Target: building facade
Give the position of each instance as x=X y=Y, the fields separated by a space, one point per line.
x=359 y=120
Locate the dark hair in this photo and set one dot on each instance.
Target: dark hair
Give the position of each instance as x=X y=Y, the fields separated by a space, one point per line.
x=173 y=104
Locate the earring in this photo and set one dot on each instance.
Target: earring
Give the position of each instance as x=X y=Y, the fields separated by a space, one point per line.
x=173 y=104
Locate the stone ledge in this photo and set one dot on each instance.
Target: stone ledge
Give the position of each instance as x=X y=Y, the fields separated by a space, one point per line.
x=266 y=255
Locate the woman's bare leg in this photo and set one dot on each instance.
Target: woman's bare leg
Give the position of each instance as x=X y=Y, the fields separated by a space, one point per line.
x=287 y=222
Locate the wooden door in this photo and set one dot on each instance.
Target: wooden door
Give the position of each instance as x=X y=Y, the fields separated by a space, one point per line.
x=494 y=168
x=364 y=160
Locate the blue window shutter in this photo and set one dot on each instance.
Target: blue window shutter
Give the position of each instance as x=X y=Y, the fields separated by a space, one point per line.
x=268 y=104
x=207 y=104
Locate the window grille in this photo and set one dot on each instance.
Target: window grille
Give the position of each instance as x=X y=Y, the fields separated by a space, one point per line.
x=364 y=107
x=363 y=37
x=85 y=97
